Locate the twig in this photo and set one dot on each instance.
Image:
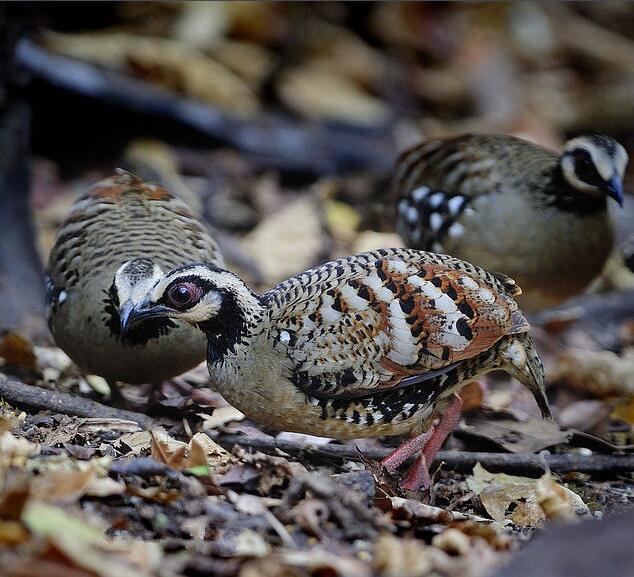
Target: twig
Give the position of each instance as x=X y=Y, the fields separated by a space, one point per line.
x=273 y=141
x=36 y=398
x=525 y=463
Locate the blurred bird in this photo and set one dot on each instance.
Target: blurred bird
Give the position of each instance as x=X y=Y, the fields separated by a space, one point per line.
x=511 y=206
x=115 y=244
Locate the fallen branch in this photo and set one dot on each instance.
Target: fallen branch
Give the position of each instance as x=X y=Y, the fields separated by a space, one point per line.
x=524 y=463
x=273 y=141
x=26 y=396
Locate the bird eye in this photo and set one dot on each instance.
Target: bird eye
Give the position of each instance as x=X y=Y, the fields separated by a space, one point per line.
x=585 y=169
x=183 y=294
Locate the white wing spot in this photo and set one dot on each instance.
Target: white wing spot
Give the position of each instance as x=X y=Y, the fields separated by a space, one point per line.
x=456 y=230
x=412 y=214
x=436 y=199
x=455 y=204
x=468 y=282
x=420 y=193
x=62 y=297
x=285 y=337
x=436 y=221
x=486 y=295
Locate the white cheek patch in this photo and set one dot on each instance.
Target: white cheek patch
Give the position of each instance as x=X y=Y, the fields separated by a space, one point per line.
x=206 y=309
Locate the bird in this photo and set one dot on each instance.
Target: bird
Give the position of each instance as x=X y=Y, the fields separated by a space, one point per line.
x=116 y=241
x=368 y=345
x=514 y=207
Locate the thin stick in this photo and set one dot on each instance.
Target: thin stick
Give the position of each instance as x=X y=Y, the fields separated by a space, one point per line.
x=36 y=398
x=525 y=463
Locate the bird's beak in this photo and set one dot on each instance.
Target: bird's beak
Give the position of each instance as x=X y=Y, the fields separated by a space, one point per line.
x=614 y=189
x=124 y=314
x=132 y=314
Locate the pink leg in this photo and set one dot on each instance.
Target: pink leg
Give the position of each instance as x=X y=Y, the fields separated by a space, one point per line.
x=406 y=450
x=418 y=476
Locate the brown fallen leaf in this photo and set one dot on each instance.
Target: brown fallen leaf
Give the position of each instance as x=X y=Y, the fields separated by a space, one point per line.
x=528 y=436
x=600 y=373
x=200 y=451
x=16 y=349
x=67 y=485
x=518 y=499
x=401 y=557
x=220 y=417
x=166 y=63
x=287 y=241
x=318 y=92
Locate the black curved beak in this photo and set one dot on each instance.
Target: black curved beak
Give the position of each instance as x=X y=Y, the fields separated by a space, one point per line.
x=614 y=189
x=139 y=312
x=124 y=314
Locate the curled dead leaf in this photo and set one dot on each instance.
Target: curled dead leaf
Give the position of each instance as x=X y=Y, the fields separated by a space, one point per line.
x=200 y=450
x=518 y=499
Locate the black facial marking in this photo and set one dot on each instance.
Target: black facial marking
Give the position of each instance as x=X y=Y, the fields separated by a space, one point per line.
x=226 y=329
x=138 y=334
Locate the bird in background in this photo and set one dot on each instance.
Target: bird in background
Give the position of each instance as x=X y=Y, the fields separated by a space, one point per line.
x=514 y=207
x=117 y=241
x=374 y=344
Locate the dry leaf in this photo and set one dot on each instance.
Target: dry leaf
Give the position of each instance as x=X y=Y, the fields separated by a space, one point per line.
x=14 y=451
x=167 y=63
x=220 y=417
x=518 y=499
x=288 y=241
x=85 y=546
x=401 y=557
x=16 y=349
x=601 y=373
x=319 y=93
x=528 y=436
x=200 y=451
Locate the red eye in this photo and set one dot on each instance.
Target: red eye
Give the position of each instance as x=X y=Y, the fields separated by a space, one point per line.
x=183 y=294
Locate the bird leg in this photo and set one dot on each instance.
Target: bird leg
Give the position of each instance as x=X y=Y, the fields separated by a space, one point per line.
x=428 y=443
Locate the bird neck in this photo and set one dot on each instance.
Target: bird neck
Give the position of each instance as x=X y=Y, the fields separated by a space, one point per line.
x=233 y=328
x=567 y=198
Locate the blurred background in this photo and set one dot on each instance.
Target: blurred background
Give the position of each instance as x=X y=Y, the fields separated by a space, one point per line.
x=281 y=121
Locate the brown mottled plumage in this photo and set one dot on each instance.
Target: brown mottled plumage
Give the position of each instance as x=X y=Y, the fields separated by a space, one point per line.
x=511 y=206
x=116 y=241
x=363 y=346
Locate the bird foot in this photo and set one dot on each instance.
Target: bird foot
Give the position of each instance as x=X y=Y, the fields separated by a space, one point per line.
x=427 y=444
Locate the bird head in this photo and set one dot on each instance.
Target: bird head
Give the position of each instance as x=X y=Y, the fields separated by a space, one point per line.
x=131 y=282
x=200 y=294
x=595 y=165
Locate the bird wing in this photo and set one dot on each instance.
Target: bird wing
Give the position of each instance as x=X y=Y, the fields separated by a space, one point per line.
x=387 y=318
x=436 y=182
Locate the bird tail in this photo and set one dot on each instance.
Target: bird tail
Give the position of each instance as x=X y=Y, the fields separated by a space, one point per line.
x=520 y=359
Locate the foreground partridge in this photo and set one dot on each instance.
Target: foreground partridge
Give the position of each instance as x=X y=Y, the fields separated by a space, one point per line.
x=116 y=242
x=368 y=345
x=514 y=207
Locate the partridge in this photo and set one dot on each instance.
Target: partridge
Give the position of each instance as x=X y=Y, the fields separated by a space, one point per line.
x=368 y=345
x=116 y=242
x=511 y=206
